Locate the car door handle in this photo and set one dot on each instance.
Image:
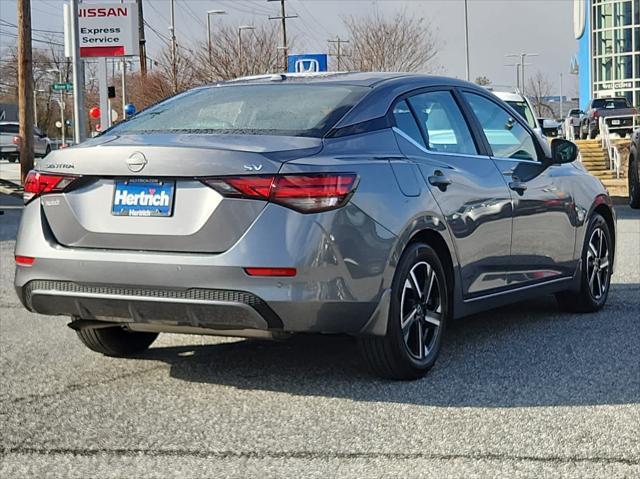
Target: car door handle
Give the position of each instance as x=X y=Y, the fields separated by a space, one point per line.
x=438 y=179
x=517 y=185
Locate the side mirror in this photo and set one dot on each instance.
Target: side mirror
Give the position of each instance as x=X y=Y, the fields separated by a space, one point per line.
x=563 y=151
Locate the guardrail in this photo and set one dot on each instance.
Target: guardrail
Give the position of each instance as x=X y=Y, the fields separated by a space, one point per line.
x=615 y=161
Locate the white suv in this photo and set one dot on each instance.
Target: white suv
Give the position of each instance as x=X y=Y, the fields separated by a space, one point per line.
x=522 y=105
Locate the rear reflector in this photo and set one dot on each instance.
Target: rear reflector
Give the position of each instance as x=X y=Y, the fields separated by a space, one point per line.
x=38 y=183
x=270 y=271
x=25 y=260
x=307 y=193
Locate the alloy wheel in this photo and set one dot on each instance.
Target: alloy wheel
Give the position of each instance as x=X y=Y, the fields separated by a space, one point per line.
x=421 y=310
x=598 y=269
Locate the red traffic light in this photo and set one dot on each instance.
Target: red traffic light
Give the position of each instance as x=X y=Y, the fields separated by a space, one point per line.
x=94 y=112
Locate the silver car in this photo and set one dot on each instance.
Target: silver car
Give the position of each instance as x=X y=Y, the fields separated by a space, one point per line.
x=10 y=141
x=381 y=206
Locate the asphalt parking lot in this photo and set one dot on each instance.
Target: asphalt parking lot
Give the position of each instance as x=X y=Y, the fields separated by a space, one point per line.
x=524 y=391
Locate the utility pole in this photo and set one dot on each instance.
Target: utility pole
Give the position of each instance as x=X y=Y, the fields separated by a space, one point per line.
x=79 y=116
x=466 y=39
x=25 y=86
x=174 y=53
x=283 y=18
x=338 y=41
x=143 y=42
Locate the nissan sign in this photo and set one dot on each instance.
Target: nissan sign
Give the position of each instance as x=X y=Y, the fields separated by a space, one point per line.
x=108 y=29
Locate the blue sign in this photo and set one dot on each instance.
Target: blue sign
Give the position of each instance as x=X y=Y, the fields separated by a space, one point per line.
x=307 y=63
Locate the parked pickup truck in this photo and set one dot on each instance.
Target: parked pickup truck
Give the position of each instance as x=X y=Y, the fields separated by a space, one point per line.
x=618 y=107
x=9 y=147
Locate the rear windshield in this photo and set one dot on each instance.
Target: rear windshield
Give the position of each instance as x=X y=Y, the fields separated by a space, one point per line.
x=611 y=103
x=296 y=110
x=522 y=107
x=9 y=128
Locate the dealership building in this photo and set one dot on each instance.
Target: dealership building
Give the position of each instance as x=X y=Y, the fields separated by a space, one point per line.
x=608 y=32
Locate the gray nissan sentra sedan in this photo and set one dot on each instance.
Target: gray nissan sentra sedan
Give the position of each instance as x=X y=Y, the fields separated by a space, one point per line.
x=381 y=206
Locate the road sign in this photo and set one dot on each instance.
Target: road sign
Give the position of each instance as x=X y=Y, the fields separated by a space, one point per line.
x=62 y=86
x=108 y=29
x=307 y=63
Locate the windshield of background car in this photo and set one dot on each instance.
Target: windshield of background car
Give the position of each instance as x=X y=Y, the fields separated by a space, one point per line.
x=611 y=103
x=295 y=110
x=522 y=107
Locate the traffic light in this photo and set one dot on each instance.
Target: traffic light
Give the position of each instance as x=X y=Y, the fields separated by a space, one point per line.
x=111 y=92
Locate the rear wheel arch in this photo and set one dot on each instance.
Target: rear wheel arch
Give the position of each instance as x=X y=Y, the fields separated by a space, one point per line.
x=605 y=211
x=439 y=244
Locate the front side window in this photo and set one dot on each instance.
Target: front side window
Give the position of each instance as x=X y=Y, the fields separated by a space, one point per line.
x=443 y=125
x=507 y=137
x=260 y=109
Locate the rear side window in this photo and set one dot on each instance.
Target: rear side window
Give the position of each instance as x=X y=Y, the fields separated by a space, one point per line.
x=406 y=122
x=611 y=103
x=443 y=125
x=522 y=107
x=9 y=129
x=271 y=109
x=507 y=137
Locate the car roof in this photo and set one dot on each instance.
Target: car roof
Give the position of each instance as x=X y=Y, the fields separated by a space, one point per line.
x=368 y=79
x=508 y=96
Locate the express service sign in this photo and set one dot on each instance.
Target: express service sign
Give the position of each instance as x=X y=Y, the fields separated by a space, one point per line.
x=108 y=29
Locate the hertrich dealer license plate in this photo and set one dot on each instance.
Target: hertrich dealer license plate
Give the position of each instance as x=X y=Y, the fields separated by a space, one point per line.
x=143 y=198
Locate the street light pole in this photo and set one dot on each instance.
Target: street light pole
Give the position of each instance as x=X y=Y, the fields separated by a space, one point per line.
x=174 y=54
x=64 y=127
x=209 y=45
x=466 y=39
x=240 y=28
x=522 y=56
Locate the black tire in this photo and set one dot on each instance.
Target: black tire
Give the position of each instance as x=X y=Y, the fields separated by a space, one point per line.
x=585 y=300
x=116 y=341
x=47 y=151
x=592 y=133
x=13 y=159
x=583 y=134
x=403 y=355
x=634 y=182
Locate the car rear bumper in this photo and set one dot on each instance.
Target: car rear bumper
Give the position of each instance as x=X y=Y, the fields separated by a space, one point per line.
x=8 y=150
x=340 y=281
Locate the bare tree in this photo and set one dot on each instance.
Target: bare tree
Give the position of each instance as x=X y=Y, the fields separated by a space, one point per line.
x=482 y=81
x=228 y=59
x=390 y=43
x=539 y=89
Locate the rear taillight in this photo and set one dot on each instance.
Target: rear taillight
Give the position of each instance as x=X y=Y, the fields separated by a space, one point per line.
x=307 y=193
x=16 y=140
x=596 y=114
x=38 y=184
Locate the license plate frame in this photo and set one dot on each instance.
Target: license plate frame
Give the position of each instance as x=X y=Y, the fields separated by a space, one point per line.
x=616 y=122
x=143 y=198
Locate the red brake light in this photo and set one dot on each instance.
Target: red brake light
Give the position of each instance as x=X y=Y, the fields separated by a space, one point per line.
x=37 y=184
x=307 y=193
x=16 y=140
x=24 y=260
x=596 y=114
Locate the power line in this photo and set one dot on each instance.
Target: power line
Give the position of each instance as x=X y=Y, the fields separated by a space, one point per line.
x=338 y=41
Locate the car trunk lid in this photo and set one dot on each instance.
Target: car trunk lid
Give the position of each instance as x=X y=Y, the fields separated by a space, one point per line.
x=120 y=173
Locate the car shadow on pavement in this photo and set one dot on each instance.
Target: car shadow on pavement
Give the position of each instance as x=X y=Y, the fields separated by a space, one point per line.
x=527 y=354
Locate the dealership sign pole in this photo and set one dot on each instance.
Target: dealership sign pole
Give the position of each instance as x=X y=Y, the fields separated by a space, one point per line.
x=106 y=30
